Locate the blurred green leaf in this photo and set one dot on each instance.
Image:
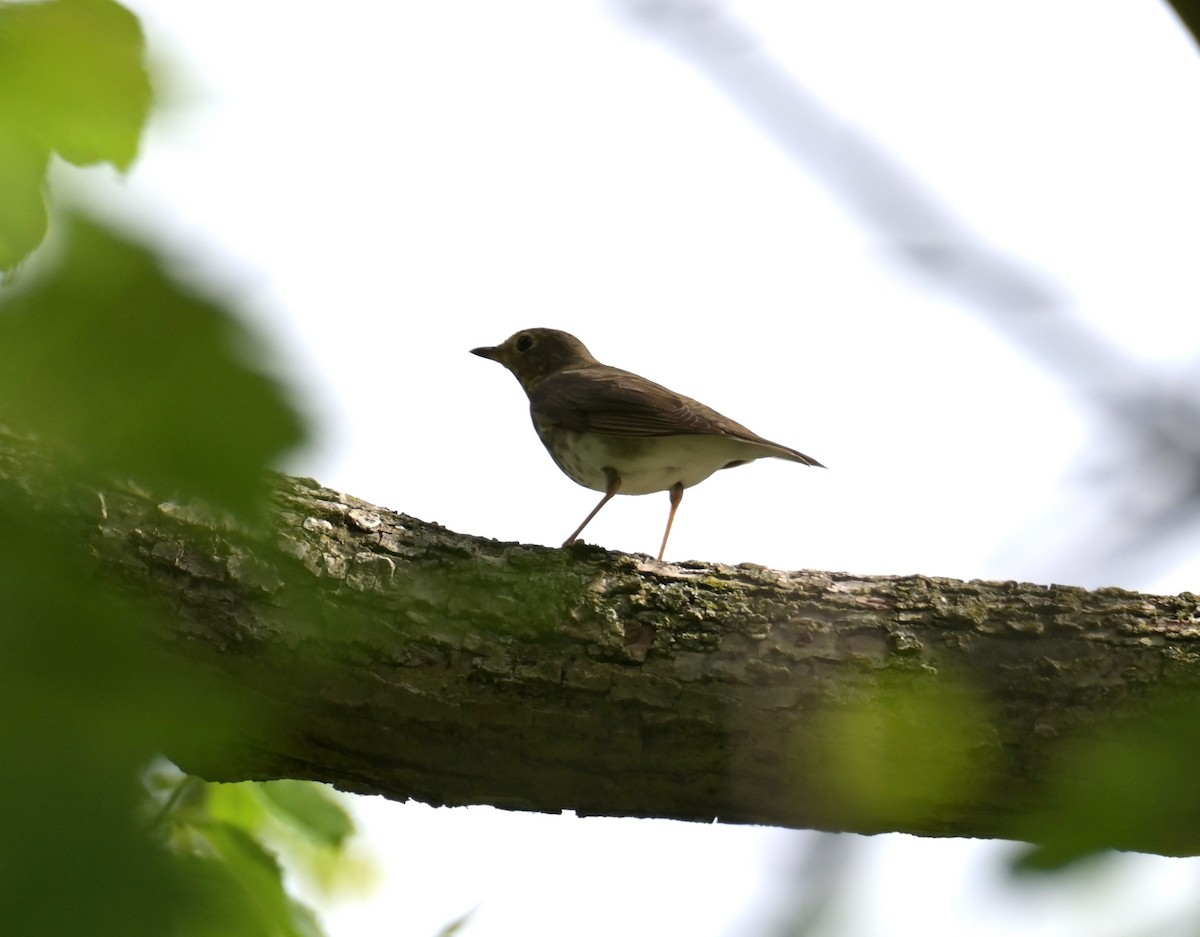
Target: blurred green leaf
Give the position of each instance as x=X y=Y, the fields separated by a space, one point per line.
x=236 y=829
x=1131 y=781
x=22 y=178
x=214 y=902
x=310 y=809
x=259 y=875
x=117 y=370
x=73 y=78
x=910 y=744
x=236 y=890
x=139 y=376
x=72 y=81
x=237 y=804
x=304 y=822
x=84 y=703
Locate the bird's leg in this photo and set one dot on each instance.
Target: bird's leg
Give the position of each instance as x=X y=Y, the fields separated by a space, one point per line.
x=614 y=484
x=676 y=497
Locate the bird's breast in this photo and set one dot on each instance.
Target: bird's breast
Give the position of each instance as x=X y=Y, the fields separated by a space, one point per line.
x=645 y=463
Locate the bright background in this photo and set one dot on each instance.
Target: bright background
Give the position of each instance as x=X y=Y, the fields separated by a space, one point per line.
x=927 y=242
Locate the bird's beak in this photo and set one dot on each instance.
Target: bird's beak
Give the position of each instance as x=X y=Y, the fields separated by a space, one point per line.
x=493 y=353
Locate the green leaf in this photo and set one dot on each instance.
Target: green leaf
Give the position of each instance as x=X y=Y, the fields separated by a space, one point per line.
x=304 y=921
x=907 y=744
x=23 y=220
x=84 y=701
x=72 y=81
x=310 y=809
x=302 y=822
x=73 y=78
x=141 y=377
x=236 y=804
x=217 y=900
x=260 y=880
x=1129 y=781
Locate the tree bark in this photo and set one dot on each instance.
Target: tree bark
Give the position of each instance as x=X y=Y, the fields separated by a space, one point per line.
x=387 y=655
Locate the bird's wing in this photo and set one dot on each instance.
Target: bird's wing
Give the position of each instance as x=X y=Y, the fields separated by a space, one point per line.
x=620 y=403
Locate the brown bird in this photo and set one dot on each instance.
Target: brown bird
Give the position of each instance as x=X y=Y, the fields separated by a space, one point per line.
x=614 y=431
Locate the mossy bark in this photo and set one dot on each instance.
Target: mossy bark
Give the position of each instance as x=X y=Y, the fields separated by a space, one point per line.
x=387 y=655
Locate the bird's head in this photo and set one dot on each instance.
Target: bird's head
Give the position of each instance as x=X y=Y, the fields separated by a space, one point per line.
x=534 y=354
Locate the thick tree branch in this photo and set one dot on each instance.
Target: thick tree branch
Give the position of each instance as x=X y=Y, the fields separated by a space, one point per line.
x=391 y=656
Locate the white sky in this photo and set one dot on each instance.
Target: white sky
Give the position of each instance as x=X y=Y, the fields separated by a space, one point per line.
x=385 y=186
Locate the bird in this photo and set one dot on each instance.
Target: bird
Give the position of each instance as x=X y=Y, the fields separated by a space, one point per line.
x=614 y=431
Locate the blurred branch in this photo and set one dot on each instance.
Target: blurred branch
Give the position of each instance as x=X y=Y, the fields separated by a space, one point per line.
x=1188 y=12
x=387 y=655
x=1156 y=427
x=925 y=234
x=824 y=866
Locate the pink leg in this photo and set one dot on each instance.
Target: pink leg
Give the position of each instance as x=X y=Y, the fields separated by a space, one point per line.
x=676 y=497
x=614 y=484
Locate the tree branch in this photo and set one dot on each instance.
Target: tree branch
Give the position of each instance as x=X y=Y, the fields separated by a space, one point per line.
x=390 y=656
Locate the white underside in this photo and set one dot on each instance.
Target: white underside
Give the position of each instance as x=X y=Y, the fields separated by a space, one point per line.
x=653 y=463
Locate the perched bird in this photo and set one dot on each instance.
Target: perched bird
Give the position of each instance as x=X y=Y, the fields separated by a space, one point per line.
x=614 y=431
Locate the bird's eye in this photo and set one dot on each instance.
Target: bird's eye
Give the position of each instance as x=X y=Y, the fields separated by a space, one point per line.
x=524 y=343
